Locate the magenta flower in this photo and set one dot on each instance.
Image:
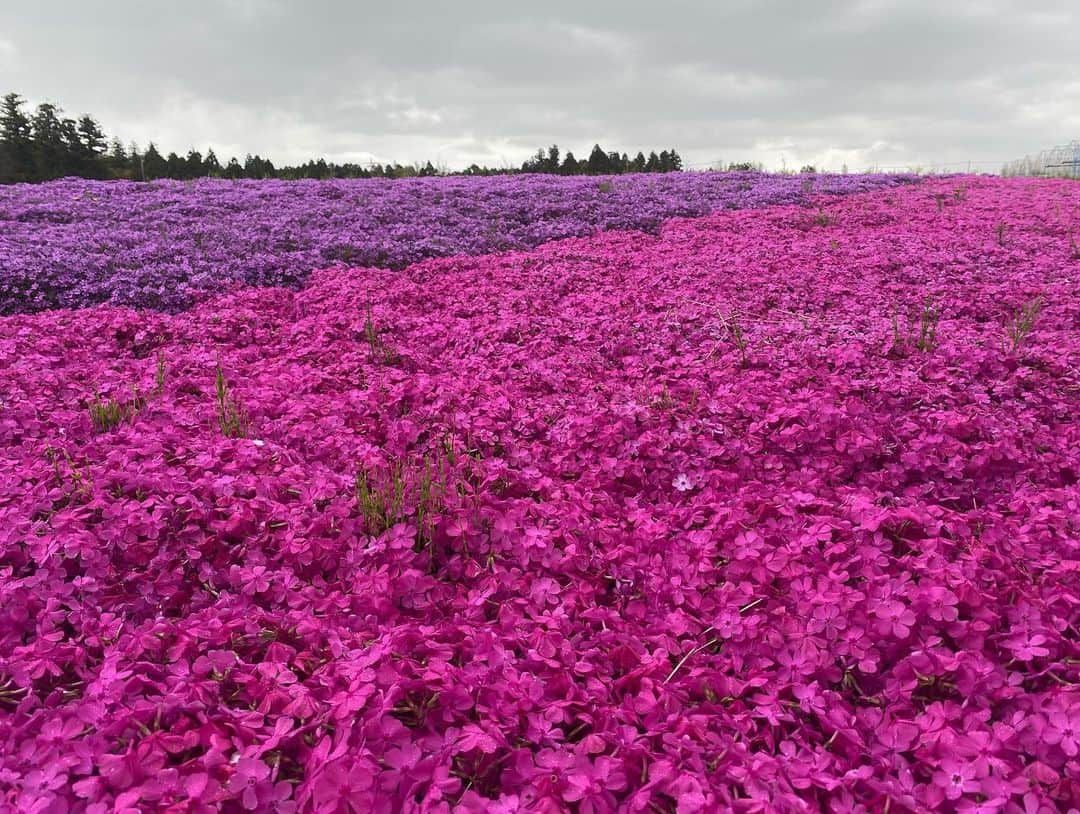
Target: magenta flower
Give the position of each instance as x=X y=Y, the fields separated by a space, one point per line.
x=250 y=781
x=458 y=574
x=1063 y=729
x=592 y=784
x=344 y=787
x=1026 y=646
x=895 y=617
x=956 y=778
x=682 y=483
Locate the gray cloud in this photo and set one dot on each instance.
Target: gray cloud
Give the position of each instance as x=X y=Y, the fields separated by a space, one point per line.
x=862 y=82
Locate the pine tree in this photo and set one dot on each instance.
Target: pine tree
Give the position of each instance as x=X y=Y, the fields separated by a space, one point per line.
x=258 y=167
x=175 y=167
x=91 y=136
x=534 y=164
x=117 y=151
x=598 y=163
x=152 y=165
x=193 y=165
x=51 y=146
x=135 y=163
x=551 y=163
x=16 y=155
x=86 y=147
x=210 y=164
x=115 y=161
x=48 y=145
x=75 y=159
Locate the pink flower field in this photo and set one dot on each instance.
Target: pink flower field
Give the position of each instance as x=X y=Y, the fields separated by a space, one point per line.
x=777 y=510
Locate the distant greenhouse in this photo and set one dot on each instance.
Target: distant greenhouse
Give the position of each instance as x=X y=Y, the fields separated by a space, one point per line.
x=1062 y=161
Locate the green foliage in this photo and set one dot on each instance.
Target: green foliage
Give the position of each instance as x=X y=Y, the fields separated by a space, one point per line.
x=412 y=489
x=928 y=325
x=746 y=166
x=16 y=147
x=922 y=334
x=232 y=417
x=381 y=500
x=664 y=401
x=160 y=372
x=49 y=145
x=380 y=351
x=75 y=480
x=108 y=414
x=734 y=329
x=601 y=162
x=1023 y=322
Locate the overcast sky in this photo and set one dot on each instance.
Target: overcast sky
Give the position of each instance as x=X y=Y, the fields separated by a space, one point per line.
x=829 y=82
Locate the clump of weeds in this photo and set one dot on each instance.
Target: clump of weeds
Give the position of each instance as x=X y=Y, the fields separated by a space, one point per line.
x=108 y=414
x=1022 y=323
x=232 y=417
x=381 y=351
x=413 y=489
x=920 y=333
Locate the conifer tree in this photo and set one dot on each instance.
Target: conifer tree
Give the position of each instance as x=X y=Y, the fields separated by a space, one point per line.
x=16 y=157
x=211 y=167
x=153 y=164
x=233 y=169
x=117 y=159
x=598 y=163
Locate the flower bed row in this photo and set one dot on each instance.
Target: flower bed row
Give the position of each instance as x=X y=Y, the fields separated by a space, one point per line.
x=774 y=511
x=74 y=243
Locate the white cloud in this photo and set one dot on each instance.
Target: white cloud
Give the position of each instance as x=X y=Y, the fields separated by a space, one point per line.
x=862 y=82
x=250 y=10
x=8 y=52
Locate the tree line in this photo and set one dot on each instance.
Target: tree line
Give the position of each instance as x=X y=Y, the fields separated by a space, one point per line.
x=601 y=163
x=45 y=144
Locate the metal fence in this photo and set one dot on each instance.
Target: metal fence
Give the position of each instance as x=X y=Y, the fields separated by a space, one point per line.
x=1062 y=162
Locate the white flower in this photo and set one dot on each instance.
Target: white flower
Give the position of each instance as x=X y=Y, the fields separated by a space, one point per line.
x=258 y=443
x=682 y=483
